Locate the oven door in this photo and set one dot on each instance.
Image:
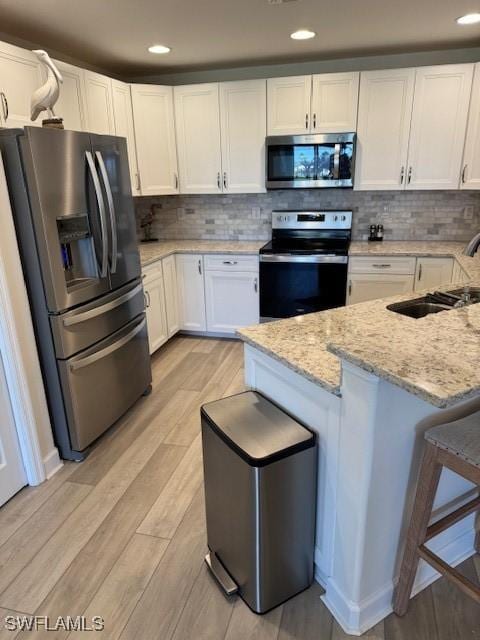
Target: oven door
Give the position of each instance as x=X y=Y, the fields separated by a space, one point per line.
x=292 y=285
x=315 y=161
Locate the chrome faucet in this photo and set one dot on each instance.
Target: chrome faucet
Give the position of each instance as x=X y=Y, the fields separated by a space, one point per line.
x=472 y=246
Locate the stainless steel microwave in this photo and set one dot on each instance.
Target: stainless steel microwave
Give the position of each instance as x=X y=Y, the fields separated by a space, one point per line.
x=310 y=161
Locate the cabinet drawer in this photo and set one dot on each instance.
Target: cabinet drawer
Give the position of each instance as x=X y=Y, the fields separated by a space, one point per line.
x=231 y=262
x=152 y=271
x=382 y=264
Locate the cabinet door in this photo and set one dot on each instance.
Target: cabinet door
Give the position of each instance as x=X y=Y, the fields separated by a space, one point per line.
x=384 y=116
x=433 y=272
x=334 y=102
x=171 y=294
x=155 y=311
x=370 y=286
x=98 y=91
x=243 y=113
x=71 y=102
x=155 y=138
x=288 y=105
x=197 y=121
x=123 y=116
x=231 y=299
x=20 y=76
x=191 y=292
x=470 y=176
x=439 y=121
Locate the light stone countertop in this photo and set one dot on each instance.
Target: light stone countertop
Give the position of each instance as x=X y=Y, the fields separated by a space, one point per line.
x=153 y=251
x=436 y=358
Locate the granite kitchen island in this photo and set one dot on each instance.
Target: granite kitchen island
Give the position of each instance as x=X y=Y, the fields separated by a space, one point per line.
x=370 y=382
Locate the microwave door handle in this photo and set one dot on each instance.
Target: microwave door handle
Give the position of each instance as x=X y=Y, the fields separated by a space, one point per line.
x=336 y=162
x=111 y=209
x=101 y=209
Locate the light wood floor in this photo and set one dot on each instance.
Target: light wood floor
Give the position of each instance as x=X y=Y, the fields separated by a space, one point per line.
x=122 y=535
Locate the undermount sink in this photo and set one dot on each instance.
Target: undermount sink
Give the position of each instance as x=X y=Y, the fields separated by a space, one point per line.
x=418 y=308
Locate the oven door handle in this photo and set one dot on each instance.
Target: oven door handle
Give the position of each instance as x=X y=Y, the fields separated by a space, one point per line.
x=323 y=259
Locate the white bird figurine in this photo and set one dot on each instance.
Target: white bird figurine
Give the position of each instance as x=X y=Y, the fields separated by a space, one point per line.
x=45 y=97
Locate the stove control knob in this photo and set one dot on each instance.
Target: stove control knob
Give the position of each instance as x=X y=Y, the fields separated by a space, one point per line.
x=335 y=218
x=344 y=218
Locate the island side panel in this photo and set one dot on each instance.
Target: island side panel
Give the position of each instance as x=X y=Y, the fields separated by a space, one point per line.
x=381 y=438
x=320 y=411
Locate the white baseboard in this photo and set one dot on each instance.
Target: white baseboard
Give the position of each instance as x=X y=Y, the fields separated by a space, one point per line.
x=52 y=463
x=356 y=619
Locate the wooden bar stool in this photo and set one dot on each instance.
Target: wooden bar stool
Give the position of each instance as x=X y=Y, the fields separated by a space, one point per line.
x=455 y=445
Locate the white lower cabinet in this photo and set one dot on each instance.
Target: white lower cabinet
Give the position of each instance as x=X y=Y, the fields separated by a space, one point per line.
x=155 y=306
x=191 y=292
x=433 y=272
x=370 y=286
x=171 y=294
x=231 y=299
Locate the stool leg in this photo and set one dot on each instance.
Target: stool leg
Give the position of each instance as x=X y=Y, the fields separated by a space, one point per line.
x=426 y=488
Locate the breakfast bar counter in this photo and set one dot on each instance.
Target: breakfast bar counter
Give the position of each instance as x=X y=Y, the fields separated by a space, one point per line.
x=369 y=382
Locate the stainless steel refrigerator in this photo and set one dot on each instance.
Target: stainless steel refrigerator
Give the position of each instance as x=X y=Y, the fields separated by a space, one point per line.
x=75 y=224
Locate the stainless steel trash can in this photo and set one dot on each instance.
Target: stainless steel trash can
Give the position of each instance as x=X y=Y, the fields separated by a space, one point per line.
x=260 y=495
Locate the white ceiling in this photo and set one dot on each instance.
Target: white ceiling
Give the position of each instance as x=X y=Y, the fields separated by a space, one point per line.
x=203 y=34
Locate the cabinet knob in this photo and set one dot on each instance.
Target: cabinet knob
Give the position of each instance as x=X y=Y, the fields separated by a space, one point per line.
x=306 y=121
x=464 y=174
x=402 y=175
x=410 y=170
x=219 y=181
x=200 y=267
x=225 y=183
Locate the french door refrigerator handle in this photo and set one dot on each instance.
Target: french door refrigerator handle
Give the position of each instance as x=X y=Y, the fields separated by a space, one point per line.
x=111 y=210
x=101 y=208
x=104 y=308
x=103 y=353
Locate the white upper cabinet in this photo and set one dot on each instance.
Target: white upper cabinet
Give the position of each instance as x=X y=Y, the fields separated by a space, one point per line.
x=20 y=76
x=384 y=116
x=123 y=116
x=197 y=121
x=155 y=139
x=470 y=175
x=334 y=102
x=439 y=120
x=71 y=102
x=288 y=105
x=98 y=91
x=243 y=108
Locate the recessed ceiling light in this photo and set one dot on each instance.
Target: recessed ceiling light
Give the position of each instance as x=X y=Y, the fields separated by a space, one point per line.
x=302 y=34
x=159 y=48
x=469 y=18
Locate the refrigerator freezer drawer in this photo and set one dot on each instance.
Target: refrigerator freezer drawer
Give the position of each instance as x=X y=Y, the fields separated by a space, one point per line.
x=101 y=383
x=82 y=327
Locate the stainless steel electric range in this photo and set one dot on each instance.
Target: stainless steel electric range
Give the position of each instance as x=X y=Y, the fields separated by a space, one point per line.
x=304 y=267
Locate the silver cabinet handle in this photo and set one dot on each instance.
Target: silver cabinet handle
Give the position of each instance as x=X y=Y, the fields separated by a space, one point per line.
x=381 y=266
x=137 y=179
x=175 y=175
x=464 y=174
x=200 y=267
x=410 y=170
x=314 y=120
x=111 y=210
x=230 y=262
x=420 y=272
x=4 y=106
x=349 y=288
x=219 y=181
x=255 y=285
x=101 y=208
x=104 y=308
x=225 y=184
x=306 y=121
x=402 y=175
x=103 y=353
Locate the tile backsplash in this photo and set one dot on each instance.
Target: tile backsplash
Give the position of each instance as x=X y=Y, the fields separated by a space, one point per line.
x=412 y=215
